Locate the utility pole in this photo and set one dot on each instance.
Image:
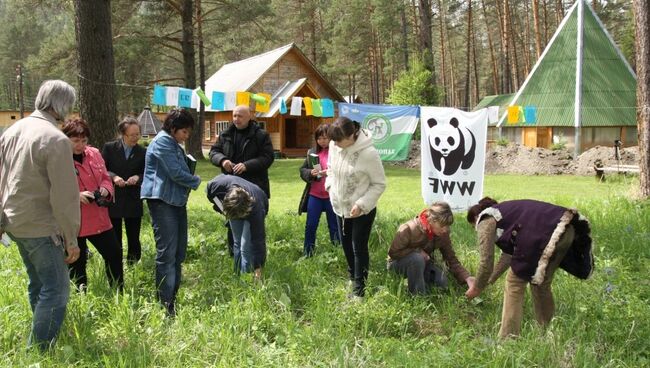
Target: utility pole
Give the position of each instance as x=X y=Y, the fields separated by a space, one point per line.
x=19 y=80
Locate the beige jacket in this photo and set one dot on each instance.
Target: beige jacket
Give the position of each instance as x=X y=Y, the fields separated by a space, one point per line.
x=355 y=175
x=39 y=195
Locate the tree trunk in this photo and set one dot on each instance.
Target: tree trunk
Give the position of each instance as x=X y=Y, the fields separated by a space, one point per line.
x=559 y=11
x=538 y=35
x=476 y=71
x=545 y=22
x=443 y=55
x=426 y=38
x=495 y=73
x=404 y=29
x=642 y=22
x=505 y=41
x=97 y=90
x=199 y=35
x=527 y=40
x=468 y=70
x=193 y=144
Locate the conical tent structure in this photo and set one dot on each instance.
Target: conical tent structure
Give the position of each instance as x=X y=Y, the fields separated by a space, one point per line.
x=149 y=124
x=581 y=79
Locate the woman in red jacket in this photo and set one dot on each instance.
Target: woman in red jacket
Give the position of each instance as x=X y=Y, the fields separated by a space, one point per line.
x=95 y=195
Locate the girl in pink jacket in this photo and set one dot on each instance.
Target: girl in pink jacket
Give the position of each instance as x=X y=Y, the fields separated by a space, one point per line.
x=95 y=195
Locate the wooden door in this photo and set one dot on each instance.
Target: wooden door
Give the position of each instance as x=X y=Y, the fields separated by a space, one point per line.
x=530 y=137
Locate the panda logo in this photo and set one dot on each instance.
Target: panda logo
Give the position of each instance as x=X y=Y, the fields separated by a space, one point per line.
x=451 y=147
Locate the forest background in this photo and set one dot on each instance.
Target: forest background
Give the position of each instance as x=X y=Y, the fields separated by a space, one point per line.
x=384 y=51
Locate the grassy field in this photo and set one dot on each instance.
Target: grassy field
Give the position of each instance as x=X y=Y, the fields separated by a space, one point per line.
x=300 y=315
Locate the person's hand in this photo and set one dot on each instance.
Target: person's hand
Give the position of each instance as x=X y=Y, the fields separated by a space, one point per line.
x=355 y=211
x=132 y=180
x=86 y=196
x=227 y=165
x=103 y=191
x=425 y=255
x=239 y=169
x=472 y=292
x=73 y=255
x=314 y=172
x=117 y=180
x=470 y=281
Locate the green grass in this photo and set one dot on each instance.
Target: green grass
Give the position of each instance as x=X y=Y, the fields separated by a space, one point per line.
x=300 y=315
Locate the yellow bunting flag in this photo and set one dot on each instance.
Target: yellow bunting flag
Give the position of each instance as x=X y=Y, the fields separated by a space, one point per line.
x=308 y=107
x=513 y=114
x=263 y=107
x=243 y=98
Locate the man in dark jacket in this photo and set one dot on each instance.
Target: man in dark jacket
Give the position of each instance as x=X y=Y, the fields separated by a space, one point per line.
x=245 y=150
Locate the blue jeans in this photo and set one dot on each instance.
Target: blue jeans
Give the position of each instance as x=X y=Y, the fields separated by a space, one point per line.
x=49 y=287
x=242 y=246
x=316 y=206
x=170 y=232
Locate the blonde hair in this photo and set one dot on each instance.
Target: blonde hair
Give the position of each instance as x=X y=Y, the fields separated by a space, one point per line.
x=238 y=203
x=440 y=212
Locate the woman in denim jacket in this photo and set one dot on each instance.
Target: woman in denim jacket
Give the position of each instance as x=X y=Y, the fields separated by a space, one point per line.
x=166 y=186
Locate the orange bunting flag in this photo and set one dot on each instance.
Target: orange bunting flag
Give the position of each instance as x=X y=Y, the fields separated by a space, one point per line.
x=308 y=107
x=513 y=114
x=266 y=105
x=243 y=98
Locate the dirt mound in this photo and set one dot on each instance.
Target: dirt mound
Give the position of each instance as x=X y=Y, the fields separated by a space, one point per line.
x=584 y=165
x=518 y=159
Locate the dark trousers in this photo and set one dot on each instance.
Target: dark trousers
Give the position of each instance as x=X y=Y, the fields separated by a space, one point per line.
x=109 y=248
x=316 y=206
x=132 y=225
x=355 y=233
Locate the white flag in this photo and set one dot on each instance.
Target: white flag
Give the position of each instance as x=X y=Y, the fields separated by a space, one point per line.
x=493 y=114
x=172 y=96
x=296 y=106
x=230 y=101
x=453 y=155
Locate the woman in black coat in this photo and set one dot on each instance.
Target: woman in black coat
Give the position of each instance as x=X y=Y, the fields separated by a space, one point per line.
x=124 y=159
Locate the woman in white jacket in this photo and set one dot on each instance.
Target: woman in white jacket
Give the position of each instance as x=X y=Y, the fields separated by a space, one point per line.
x=355 y=180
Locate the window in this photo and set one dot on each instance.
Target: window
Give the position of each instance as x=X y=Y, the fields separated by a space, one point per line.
x=207 y=133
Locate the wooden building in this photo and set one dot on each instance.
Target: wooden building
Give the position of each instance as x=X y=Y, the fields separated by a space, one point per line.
x=283 y=73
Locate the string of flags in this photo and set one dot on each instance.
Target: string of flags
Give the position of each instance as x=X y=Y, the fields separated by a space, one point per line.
x=522 y=114
x=227 y=101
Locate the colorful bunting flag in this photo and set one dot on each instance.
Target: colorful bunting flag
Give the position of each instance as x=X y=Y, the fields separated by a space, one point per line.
x=172 y=96
x=296 y=106
x=243 y=98
x=283 y=106
x=231 y=101
x=218 y=101
x=530 y=113
x=308 y=106
x=328 y=108
x=263 y=107
x=316 y=107
x=159 y=95
x=184 y=97
x=203 y=97
x=513 y=114
x=493 y=114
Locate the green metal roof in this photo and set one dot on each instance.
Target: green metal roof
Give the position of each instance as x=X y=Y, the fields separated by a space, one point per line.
x=608 y=86
x=495 y=100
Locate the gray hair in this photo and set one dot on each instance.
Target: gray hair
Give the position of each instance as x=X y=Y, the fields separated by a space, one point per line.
x=57 y=96
x=238 y=203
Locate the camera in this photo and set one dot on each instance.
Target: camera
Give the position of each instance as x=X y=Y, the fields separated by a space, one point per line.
x=101 y=201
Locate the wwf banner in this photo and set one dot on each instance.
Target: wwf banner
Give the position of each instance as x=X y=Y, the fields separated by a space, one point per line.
x=453 y=155
x=391 y=126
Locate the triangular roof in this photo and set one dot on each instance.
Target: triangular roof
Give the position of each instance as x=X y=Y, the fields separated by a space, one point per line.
x=149 y=124
x=581 y=53
x=244 y=74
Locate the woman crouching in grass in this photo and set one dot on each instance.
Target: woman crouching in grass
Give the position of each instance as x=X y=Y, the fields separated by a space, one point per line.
x=245 y=205
x=536 y=238
x=411 y=253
